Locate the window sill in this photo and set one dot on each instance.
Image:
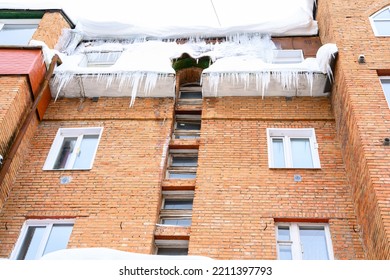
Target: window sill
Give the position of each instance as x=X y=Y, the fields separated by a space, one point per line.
x=295 y=168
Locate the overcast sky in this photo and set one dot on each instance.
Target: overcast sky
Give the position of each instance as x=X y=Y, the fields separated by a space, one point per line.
x=170 y=12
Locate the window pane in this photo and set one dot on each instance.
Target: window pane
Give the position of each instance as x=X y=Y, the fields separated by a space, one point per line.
x=382 y=27
x=177 y=222
x=31 y=243
x=178 y=204
x=386 y=89
x=188 y=125
x=278 y=152
x=65 y=152
x=87 y=151
x=301 y=153
x=385 y=14
x=172 y=251
x=283 y=233
x=173 y=175
x=17 y=34
x=314 y=243
x=191 y=94
x=285 y=252
x=184 y=161
x=58 y=239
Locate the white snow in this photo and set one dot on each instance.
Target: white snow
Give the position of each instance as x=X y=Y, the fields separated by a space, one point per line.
x=129 y=52
x=110 y=254
x=183 y=18
x=143 y=64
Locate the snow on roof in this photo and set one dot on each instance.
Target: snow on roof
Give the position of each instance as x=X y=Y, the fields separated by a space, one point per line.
x=175 y=18
x=144 y=67
x=110 y=254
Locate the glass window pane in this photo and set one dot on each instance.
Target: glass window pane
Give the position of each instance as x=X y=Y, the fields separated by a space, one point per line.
x=58 y=238
x=278 y=152
x=191 y=94
x=188 y=125
x=314 y=243
x=31 y=243
x=177 y=222
x=382 y=27
x=174 y=175
x=184 y=161
x=86 y=153
x=385 y=14
x=301 y=153
x=285 y=252
x=178 y=204
x=65 y=152
x=172 y=251
x=386 y=89
x=283 y=233
x=17 y=34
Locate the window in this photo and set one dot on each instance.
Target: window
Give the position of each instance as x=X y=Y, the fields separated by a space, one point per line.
x=380 y=22
x=182 y=164
x=303 y=241
x=171 y=247
x=292 y=148
x=190 y=94
x=40 y=237
x=73 y=148
x=187 y=126
x=100 y=59
x=385 y=81
x=17 y=31
x=287 y=56
x=176 y=208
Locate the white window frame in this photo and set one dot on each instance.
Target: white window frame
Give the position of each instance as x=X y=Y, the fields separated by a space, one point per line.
x=373 y=20
x=71 y=132
x=287 y=56
x=295 y=243
x=48 y=223
x=387 y=94
x=286 y=134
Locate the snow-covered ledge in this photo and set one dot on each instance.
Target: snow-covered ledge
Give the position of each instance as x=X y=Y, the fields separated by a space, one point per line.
x=252 y=76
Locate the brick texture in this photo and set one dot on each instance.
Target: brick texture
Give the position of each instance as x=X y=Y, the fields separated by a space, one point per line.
x=362 y=114
x=50 y=29
x=115 y=204
x=237 y=197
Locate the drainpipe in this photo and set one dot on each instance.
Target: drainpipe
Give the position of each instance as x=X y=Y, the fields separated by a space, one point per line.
x=30 y=114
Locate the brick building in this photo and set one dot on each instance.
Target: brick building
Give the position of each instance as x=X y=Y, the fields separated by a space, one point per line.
x=244 y=174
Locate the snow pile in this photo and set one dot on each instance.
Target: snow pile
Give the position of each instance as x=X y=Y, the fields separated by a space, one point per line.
x=173 y=19
x=110 y=254
x=241 y=69
x=140 y=64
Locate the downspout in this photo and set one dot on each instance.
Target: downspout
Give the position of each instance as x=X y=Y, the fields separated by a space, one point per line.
x=30 y=114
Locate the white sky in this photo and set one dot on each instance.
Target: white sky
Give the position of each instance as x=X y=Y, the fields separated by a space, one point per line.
x=170 y=12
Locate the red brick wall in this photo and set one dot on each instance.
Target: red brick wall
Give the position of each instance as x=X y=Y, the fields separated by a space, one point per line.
x=14 y=99
x=362 y=114
x=237 y=197
x=116 y=203
x=50 y=29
